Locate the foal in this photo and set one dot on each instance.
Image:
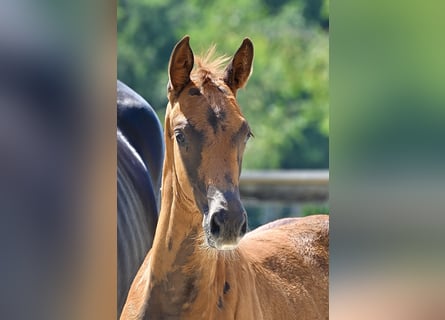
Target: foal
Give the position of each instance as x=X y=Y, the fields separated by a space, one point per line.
x=202 y=264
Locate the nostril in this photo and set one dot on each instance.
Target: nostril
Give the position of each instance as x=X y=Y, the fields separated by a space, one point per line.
x=215 y=229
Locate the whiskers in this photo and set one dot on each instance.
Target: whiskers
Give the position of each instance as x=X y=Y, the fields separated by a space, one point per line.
x=215 y=254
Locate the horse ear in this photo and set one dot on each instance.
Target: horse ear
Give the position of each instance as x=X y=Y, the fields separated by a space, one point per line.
x=180 y=65
x=239 y=69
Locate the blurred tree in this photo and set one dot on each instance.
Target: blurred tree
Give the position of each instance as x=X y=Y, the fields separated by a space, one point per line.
x=286 y=100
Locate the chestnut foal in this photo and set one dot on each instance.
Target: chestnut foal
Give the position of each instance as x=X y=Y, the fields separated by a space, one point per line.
x=202 y=264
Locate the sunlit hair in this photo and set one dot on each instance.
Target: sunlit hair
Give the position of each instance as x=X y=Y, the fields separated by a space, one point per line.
x=208 y=67
x=208 y=76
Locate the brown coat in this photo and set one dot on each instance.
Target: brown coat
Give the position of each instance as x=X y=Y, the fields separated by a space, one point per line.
x=278 y=271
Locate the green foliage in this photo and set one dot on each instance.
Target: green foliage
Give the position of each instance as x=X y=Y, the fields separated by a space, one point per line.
x=286 y=101
x=310 y=209
x=260 y=213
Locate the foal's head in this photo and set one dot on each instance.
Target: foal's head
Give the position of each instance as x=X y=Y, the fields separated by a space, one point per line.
x=207 y=134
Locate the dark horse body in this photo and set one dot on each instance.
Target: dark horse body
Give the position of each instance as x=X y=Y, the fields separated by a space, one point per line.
x=139 y=123
x=140 y=150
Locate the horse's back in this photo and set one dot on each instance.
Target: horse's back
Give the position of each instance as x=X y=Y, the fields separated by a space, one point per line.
x=139 y=123
x=306 y=237
x=317 y=223
x=294 y=253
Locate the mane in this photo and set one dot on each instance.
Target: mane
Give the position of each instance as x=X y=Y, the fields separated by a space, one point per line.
x=208 y=67
x=208 y=75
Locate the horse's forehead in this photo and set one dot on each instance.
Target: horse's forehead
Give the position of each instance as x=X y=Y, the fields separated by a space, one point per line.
x=208 y=113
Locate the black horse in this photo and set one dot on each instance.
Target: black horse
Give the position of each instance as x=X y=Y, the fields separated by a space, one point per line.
x=140 y=152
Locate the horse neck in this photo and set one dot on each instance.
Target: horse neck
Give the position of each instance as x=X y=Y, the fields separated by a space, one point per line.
x=179 y=217
x=178 y=229
x=179 y=233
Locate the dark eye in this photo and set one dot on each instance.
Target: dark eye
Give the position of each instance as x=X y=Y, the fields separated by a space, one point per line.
x=180 y=138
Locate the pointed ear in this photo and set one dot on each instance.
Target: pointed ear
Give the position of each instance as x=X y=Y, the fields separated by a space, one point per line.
x=180 y=65
x=238 y=71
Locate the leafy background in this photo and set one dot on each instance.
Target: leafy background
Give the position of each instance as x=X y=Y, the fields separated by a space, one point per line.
x=286 y=100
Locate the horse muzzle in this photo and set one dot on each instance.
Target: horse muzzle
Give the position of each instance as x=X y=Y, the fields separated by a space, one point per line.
x=226 y=222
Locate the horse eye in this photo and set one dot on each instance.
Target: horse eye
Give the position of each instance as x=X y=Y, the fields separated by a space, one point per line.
x=180 y=138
